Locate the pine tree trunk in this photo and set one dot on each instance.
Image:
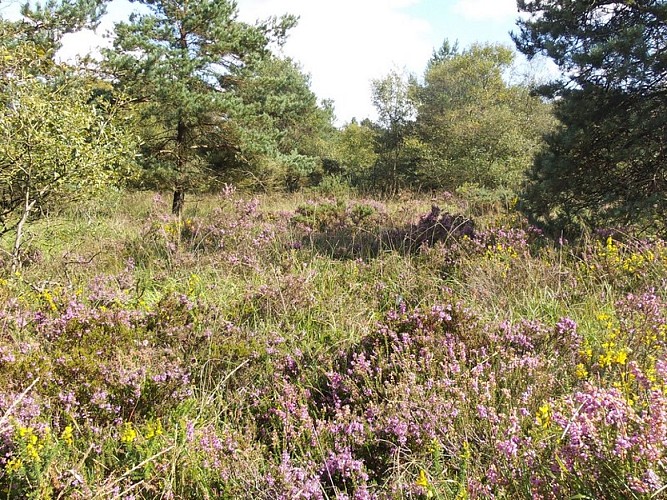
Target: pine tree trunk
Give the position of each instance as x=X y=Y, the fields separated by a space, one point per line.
x=179 y=201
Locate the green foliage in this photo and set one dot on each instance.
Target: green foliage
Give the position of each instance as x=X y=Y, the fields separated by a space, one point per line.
x=59 y=144
x=46 y=22
x=56 y=147
x=355 y=152
x=394 y=102
x=334 y=186
x=279 y=92
x=606 y=163
x=280 y=129
x=612 y=45
x=474 y=126
x=603 y=166
x=446 y=51
x=214 y=100
x=179 y=61
x=464 y=124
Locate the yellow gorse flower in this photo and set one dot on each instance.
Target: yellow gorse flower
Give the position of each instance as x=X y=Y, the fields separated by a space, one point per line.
x=49 y=300
x=621 y=257
x=422 y=480
x=501 y=252
x=466 y=451
x=621 y=357
x=194 y=284
x=128 y=434
x=67 y=435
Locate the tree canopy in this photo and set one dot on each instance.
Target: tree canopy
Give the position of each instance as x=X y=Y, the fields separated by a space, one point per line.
x=476 y=128
x=184 y=63
x=394 y=101
x=59 y=143
x=606 y=164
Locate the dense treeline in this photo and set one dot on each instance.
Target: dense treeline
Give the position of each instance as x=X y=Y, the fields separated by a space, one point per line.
x=189 y=97
x=211 y=102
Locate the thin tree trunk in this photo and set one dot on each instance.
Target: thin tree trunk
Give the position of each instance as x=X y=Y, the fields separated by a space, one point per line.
x=27 y=207
x=179 y=191
x=179 y=201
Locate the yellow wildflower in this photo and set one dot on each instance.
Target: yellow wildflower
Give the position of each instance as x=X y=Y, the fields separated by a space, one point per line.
x=13 y=464
x=543 y=416
x=422 y=480
x=32 y=452
x=621 y=357
x=153 y=429
x=606 y=359
x=49 y=300
x=466 y=451
x=67 y=436
x=581 y=371
x=128 y=435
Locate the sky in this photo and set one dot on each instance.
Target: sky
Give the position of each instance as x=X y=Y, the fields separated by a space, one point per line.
x=344 y=44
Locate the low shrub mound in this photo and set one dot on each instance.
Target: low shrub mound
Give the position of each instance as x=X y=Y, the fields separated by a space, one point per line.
x=434 y=227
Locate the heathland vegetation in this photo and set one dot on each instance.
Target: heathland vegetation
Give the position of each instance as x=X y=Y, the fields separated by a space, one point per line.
x=207 y=290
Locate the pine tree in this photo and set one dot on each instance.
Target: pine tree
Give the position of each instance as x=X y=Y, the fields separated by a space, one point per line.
x=607 y=163
x=181 y=61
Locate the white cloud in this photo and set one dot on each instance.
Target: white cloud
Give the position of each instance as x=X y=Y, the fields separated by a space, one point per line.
x=343 y=45
x=486 y=10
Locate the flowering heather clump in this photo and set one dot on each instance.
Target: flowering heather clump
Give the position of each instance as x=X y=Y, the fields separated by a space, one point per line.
x=92 y=363
x=438 y=380
x=513 y=242
x=423 y=381
x=608 y=436
x=288 y=481
x=229 y=228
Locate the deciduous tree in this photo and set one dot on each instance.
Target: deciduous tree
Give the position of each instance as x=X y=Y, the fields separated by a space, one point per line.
x=477 y=128
x=394 y=102
x=58 y=144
